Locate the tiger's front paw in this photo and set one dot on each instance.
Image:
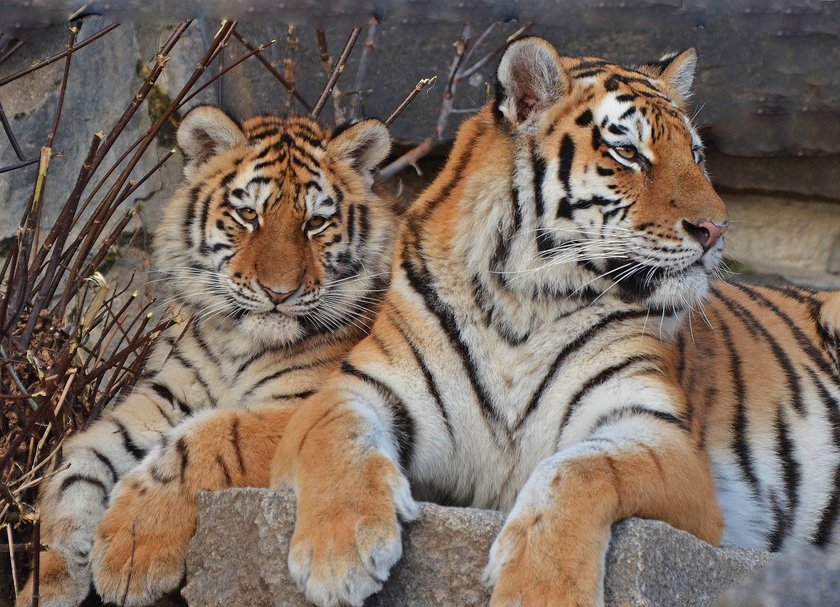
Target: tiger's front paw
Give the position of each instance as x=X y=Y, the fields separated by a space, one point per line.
x=536 y=562
x=140 y=549
x=61 y=583
x=346 y=540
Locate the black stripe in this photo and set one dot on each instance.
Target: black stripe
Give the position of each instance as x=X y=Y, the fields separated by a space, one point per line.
x=739 y=431
x=183 y=452
x=403 y=423
x=158 y=476
x=618 y=414
x=538 y=164
x=166 y=394
x=128 y=444
x=198 y=376
x=351 y=222
x=431 y=384
x=107 y=463
x=567 y=156
x=234 y=439
x=804 y=342
x=588 y=335
x=191 y=213
x=364 y=225
x=791 y=475
x=422 y=281
x=80 y=478
x=602 y=377
x=680 y=357
x=828 y=518
x=268 y=378
x=751 y=322
x=584 y=119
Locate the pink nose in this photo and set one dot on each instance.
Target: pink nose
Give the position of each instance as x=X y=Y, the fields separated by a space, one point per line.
x=277 y=297
x=707 y=233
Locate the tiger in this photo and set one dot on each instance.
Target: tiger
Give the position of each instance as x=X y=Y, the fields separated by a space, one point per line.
x=557 y=342
x=276 y=251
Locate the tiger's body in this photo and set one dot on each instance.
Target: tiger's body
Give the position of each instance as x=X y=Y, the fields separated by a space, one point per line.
x=552 y=343
x=275 y=249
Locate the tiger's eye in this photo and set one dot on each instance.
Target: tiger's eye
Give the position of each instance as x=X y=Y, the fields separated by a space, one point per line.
x=247 y=213
x=315 y=222
x=628 y=152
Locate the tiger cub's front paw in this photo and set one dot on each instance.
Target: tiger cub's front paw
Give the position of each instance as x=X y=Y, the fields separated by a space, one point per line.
x=60 y=583
x=141 y=543
x=347 y=540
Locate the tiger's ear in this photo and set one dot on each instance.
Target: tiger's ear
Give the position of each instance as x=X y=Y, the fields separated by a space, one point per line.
x=530 y=79
x=364 y=145
x=205 y=132
x=677 y=71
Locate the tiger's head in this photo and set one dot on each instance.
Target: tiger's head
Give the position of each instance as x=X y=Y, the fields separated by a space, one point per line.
x=616 y=170
x=275 y=228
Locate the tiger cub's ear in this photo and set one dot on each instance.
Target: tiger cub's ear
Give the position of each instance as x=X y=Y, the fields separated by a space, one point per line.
x=530 y=79
x=364 y=145
x=205 y=132
x=676 y=70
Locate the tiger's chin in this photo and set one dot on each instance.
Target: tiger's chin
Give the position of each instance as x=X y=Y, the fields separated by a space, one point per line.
x=271 y=329
x=679 y=292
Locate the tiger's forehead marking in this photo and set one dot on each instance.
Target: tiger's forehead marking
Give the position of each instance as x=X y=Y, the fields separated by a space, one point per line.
x=633 y=108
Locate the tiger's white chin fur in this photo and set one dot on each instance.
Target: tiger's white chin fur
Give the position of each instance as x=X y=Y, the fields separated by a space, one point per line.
x=681 y=291
x=270 y=329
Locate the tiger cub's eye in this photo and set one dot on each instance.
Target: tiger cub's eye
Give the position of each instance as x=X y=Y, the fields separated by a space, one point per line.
x=247 y=213
x=628 y=152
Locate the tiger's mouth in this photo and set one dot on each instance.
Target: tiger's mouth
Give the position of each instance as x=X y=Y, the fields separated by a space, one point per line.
x=642 y=281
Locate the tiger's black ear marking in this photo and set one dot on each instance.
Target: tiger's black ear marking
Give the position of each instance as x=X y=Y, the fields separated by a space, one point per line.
x=364 y=145
x=204 y=132
x=530 y=80
x=677 y=71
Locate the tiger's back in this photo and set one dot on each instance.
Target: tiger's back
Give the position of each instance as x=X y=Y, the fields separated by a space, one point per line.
x=759 y=365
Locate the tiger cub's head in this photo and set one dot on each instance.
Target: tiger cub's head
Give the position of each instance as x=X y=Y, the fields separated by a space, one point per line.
x=275 y=228
x=617 y=172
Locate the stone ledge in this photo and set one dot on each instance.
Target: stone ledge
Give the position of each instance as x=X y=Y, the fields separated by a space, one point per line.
x=238 y=558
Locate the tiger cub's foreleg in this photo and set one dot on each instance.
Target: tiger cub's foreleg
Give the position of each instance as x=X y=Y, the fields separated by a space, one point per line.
x=141 y=543
x=73 y=500
x=551 y=550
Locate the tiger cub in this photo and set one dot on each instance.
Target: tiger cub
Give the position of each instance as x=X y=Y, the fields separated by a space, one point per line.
x=277 y=249
x=554 y=344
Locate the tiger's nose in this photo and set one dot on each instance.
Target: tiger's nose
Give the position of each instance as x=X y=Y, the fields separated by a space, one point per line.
x=277 y=296
x=707 y=233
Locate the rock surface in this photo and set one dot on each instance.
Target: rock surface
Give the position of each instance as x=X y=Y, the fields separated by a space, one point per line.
x=806 y=577
x=238 y=558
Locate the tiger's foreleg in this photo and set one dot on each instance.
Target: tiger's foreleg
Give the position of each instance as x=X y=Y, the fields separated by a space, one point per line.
x=341 y=456
x=141 y=543
x=73 y=500
x=552 y=548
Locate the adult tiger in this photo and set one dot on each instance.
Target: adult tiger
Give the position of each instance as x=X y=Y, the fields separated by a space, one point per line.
x=537 y=351
x=278 y=249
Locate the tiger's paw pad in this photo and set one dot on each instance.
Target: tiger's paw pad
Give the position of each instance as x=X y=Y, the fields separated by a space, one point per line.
x=349 y=560
x=140 y=549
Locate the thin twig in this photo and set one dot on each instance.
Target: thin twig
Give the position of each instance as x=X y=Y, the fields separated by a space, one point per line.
x=466 y=73
x=338 y=68
x=422 y=84
x=19 y=165
x=8 y=129
x=289 y=65
x=36 y=561
x=227 y=68
x=61 y=55
x=307 y=106
x=357 y=102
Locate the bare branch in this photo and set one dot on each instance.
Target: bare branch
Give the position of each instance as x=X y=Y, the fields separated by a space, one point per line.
x=61 y=55
x=422 y=84
x=336 y=72
x=307 y=106
x=357 y=102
